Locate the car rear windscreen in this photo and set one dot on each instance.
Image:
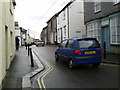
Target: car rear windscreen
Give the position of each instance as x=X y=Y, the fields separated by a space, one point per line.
x=88 y=44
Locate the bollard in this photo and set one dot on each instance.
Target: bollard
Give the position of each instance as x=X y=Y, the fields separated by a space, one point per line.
x=104 y=51
x=31 y=56
x=28 y=50
x=26 y=45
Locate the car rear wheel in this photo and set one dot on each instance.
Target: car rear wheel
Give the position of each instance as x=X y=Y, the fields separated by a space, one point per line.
x=96 y=65
x=71 y=64
x=56 y=57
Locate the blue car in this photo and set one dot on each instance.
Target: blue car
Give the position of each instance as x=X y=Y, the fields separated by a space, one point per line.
x=78 y=51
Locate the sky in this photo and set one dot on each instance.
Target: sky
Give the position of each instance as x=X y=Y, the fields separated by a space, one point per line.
x=32 y=15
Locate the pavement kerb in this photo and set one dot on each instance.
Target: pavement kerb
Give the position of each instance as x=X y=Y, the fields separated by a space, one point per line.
x=26 y=83
x=109 y=62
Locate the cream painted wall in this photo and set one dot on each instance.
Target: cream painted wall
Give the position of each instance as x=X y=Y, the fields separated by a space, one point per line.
x=0 y=43
x=7 y=37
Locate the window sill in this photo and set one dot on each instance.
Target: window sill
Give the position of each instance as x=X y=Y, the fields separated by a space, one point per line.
x=115 y=44
x=116 y=3
x=97 y=11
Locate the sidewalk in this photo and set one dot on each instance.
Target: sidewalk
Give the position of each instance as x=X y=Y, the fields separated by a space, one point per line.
x=112 y=59
x=20 y=66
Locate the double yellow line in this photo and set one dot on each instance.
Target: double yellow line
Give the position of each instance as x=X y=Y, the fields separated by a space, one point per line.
x=50 y=68
x=112 y=65
x=41 y=77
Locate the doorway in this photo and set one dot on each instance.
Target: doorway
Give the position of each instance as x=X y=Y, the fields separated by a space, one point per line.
x=106 y=38
x=6 y=46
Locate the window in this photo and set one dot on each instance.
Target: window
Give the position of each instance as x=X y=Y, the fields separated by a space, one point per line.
x=97 y=6
x=87 y=44
x=116 y=1
x=65 y=32
x=70 y=44
x=63 y=44
x=61 y=34
x=93 y=30
x=64 y=15
x=58 y=35
x=78 y=31
x=115 y=30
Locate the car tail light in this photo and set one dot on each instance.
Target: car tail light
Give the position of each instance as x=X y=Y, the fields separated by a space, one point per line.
x=77 y=51
x=100 y=50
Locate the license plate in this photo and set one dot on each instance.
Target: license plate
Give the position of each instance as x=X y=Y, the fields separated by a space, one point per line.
x=90 y=52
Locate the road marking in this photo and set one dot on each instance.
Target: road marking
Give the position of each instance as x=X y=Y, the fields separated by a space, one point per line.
x=112 y=65
x=41 y=77
x=26 y=79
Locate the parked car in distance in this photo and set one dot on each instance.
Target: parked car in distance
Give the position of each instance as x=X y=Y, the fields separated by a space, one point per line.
x=39 y=43
x=78 y=51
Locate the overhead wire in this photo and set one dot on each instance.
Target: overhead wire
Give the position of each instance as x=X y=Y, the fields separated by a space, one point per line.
x=45 y=13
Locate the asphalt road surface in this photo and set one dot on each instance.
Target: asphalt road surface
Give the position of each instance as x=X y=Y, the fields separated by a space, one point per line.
x=84 y=76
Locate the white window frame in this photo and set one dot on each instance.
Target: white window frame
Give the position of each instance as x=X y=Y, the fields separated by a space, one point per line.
x=64 y=15
x=97 y=6
x=116 y=1
x=65 y=32
x=93 y=30
x=114 y=28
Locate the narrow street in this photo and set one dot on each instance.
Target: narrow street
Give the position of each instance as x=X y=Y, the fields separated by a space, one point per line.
x=84 y=76
x=87 y=33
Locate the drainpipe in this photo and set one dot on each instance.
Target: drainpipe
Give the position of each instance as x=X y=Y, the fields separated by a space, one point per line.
x=68 y=21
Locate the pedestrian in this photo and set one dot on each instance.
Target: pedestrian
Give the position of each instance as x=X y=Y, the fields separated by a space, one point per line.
x=26 y=45
x=17 y=43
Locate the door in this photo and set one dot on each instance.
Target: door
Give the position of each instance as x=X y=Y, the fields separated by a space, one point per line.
x=61 y=50
x=69 y=50
x=106 y=38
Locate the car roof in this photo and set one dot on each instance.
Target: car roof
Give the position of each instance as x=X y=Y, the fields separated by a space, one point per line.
x=82 y=38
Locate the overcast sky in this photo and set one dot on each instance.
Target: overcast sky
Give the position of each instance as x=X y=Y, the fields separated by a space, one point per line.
x=33 y=14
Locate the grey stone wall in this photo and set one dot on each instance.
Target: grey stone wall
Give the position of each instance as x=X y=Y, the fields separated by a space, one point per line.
x=107 y=8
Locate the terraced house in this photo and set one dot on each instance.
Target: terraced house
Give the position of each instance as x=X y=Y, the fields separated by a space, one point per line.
x=7 y=36
x=70 y=21
x=102 y=20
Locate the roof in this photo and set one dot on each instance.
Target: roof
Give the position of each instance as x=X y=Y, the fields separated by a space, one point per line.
x=64 y=7
x=52 y=18
x=60 y=11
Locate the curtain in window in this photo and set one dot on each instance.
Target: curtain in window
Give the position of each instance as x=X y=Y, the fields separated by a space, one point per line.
x=115 y=30
x=94 y=30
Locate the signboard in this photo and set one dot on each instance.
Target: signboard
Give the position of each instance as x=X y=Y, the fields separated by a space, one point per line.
x=105 y=23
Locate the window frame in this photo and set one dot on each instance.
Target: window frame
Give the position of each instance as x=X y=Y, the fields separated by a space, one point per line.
x=94 y=30
x=116 y=2
x=114 y=29
x=64 y=15
x=97 y=6
x=65 y=32
x=93 y=42
x=67 y=46
x=61 y=46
